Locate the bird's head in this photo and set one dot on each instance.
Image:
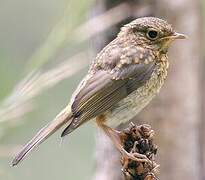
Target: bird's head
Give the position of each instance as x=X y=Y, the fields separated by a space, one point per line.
x=151 y=32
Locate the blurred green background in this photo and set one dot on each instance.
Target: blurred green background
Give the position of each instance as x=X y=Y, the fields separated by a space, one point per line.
x=29 y=31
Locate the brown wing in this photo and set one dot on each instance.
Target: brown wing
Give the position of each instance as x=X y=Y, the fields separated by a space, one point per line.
x=103 y=90
x=118 y=70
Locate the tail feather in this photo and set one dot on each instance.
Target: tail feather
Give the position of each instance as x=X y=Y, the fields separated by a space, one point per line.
x=65 y=116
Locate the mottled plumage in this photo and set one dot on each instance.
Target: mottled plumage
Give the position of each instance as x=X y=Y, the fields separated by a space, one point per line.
x=121 y=81
x=124 y=77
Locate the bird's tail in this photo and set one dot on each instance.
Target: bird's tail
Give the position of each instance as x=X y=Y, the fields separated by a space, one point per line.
x=65 y=116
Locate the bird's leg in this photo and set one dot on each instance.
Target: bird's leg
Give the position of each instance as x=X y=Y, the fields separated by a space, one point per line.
x=115 y=137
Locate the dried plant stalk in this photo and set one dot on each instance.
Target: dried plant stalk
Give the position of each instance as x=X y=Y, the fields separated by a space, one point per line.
x=139 y=139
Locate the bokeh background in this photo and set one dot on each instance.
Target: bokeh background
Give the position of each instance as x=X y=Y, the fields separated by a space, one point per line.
x=45 y=49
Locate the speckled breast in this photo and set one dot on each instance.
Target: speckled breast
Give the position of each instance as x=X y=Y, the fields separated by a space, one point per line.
x=130 y=106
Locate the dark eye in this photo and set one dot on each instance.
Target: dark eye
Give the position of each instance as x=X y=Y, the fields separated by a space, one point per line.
x=152 y=34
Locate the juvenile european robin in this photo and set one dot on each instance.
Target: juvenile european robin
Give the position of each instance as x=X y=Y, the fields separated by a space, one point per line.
x=121 y=81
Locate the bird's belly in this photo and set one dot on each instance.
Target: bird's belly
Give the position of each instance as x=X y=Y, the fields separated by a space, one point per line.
x=130 y=106
x=126 y=109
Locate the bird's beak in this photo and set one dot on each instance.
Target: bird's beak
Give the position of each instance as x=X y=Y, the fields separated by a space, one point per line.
x=178 y=36
x=174 y=36
x=166 y=41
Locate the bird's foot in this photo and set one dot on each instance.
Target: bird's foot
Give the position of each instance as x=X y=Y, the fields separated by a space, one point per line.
x=135 y=157
x=118 y=139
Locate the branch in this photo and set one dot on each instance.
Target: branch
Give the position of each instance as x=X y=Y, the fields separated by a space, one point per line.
x=139 y=139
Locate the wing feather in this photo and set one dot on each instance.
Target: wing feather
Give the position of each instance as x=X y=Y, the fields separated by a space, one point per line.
x=102 y=91
x=115 y=73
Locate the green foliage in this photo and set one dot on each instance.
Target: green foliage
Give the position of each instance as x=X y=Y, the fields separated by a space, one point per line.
x=40 y=32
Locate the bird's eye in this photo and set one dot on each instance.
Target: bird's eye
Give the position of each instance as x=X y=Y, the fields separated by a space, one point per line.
x=152 y=34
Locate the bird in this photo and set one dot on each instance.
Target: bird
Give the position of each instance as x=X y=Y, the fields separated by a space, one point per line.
x=123 y=78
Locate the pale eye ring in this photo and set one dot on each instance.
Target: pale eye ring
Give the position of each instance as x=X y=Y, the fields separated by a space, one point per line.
x=152 y=34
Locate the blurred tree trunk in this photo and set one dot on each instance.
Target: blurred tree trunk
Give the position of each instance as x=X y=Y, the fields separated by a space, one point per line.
x=202 y=123
x=202 y=126
x=175 y=114
x=180 y=101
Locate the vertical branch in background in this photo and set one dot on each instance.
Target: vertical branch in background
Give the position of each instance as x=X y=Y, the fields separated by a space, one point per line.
x=202 y=123
x=202 y=87
x=175 y=113
x=178 y=108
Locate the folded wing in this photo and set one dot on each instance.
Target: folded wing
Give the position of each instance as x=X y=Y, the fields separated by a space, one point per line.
x=104 y=89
